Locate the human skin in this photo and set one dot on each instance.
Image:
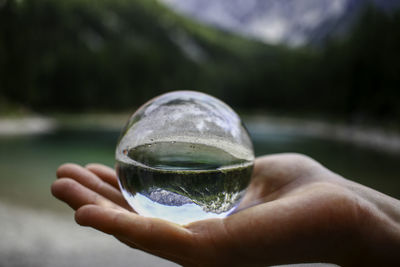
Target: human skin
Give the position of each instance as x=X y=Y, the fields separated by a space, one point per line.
x=294 y=211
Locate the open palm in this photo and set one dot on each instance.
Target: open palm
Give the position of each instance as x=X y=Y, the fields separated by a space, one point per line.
x=294 y=210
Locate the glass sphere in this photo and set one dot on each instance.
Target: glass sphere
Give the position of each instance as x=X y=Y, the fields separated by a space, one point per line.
x=184 y=156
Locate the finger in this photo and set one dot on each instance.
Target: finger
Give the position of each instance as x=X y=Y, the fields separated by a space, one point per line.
x=93 y=182
x=77 y=195
x=156 y=236
x=105 y=173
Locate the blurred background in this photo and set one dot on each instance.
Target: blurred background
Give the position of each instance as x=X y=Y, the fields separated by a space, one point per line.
x=320 y=77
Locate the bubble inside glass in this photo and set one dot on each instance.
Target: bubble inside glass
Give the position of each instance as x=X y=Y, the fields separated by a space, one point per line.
x=184 y=156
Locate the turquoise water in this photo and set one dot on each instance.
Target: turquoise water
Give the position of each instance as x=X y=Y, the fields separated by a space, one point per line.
x=28 y=163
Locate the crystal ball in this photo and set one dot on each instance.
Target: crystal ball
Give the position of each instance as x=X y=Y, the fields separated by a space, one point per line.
x=184 y=156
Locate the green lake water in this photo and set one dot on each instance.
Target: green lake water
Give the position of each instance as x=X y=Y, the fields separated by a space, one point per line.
x=28 y=163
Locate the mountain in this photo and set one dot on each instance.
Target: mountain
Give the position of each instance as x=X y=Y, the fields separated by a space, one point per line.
x=292 y=22
x=113 y=54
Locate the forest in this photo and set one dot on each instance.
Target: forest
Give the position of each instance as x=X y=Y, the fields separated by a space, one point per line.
x=112 y=55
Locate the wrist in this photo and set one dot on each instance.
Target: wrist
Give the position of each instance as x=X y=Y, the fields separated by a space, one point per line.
x=378 y=230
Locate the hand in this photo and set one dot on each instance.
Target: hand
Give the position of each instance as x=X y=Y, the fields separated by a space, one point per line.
x=294 y=211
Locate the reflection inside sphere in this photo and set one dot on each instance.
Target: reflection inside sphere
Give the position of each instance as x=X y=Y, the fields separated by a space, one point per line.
x=184 y=156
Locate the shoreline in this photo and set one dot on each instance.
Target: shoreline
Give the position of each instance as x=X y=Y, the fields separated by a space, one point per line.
x=367 y=136
x=33 y=237
x=31 y=125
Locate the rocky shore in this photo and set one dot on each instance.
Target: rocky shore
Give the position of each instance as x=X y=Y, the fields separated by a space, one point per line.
x=41 y=238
